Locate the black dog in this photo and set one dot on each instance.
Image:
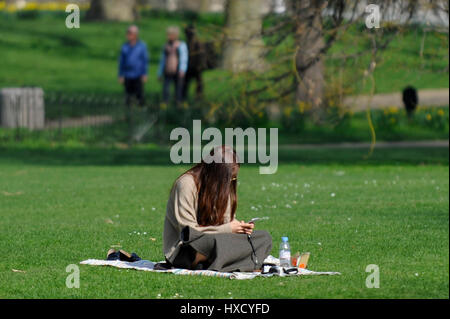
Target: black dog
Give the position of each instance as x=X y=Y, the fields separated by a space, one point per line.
x=410 y=100
x=202 y=57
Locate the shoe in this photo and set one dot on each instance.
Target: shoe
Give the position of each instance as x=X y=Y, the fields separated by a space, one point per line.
x=125 y=256
x=162 y=266
x=112 y=254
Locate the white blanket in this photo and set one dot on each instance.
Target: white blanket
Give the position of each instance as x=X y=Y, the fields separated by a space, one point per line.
x=147 y=265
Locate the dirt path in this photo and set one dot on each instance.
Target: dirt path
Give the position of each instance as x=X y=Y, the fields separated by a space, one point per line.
x=430 y=97
x=92 y=120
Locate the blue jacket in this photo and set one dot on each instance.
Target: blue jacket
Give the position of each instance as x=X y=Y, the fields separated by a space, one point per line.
x=133 y=61
x=183 y=59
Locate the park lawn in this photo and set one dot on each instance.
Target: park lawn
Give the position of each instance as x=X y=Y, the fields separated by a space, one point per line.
x=39 y=50
x=59 y=207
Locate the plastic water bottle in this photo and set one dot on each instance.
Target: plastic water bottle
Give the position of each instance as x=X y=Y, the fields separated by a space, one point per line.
x=285 y=252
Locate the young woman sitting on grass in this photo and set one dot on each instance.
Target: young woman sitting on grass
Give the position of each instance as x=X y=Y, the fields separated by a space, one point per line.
x=200 y=229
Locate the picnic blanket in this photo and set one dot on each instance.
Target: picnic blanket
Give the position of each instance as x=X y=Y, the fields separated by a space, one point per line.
x=146 y=265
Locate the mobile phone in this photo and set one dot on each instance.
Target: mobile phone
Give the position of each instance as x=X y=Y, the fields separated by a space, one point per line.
x=253 y=220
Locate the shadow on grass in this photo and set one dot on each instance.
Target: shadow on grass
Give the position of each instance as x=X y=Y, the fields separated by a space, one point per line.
x=160 y=156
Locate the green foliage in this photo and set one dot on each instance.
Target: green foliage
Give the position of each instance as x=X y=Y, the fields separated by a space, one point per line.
x=216 y=19
x=81 y=65
x=85 y=60
x=28 y=14
x=293 y=118
x=399 y=65
x=389 y=118
x=295 y=127
x=436 y=119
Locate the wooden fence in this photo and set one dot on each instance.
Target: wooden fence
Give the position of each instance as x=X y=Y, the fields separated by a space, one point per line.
x=22 y=107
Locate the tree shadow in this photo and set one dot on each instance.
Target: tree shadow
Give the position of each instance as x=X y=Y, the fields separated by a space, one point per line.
x=102 y=156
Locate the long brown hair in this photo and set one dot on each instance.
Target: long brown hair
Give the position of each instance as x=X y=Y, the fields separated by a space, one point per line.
x=216 y=185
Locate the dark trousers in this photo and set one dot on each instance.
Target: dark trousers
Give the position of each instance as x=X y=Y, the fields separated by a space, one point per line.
x=178 y=83
x=197 y=76
x=134 y=88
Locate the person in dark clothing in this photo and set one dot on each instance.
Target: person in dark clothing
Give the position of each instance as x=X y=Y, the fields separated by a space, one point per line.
x=134 y=87
x=197 y=62
x=202 y=57
x=133 y=66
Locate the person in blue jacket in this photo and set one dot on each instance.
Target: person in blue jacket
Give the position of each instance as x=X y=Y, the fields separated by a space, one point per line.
x=133 y=66
x=173 y=65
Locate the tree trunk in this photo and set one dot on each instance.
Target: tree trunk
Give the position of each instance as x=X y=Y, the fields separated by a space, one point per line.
x=18 y=3
x=205 y=5
x=113 y=10
x=243 y=47
x=309 y=41
x=194 y=5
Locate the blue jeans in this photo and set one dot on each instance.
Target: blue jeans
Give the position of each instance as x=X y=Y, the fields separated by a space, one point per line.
x=178 y=83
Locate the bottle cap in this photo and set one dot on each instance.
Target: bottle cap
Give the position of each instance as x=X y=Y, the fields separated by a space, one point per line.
x=284 y=239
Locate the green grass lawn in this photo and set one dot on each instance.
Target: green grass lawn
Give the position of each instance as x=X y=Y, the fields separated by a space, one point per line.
x=61 y=206
x=39 y=50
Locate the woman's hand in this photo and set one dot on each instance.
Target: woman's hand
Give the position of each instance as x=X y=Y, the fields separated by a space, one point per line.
x=241 y=227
